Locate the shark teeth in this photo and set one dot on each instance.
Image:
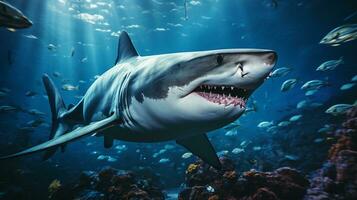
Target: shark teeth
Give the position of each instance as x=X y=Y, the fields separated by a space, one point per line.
x=223 y=94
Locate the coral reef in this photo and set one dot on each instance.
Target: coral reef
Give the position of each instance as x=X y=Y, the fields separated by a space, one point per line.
x=337 y=179
x=109 y=184
x=208 y=183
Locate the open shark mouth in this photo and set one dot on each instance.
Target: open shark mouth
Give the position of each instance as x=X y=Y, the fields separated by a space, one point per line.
x=224 y=94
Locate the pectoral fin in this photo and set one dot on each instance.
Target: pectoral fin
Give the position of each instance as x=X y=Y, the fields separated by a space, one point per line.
x=75 y=134
x=201 y=147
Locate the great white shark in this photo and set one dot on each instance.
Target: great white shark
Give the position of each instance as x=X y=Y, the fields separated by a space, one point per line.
x=177 y=96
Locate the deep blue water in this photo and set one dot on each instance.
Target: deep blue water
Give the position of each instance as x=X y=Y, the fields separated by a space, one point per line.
x=293 y=29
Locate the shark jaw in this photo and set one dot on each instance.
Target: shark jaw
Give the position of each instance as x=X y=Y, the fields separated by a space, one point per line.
x=224 y=94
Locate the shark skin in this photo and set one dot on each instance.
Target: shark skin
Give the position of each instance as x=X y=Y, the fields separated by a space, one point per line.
x=178 y=96
x=12 y=17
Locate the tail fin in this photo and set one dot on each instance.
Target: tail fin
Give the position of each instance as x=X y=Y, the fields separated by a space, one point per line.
x=57 y=109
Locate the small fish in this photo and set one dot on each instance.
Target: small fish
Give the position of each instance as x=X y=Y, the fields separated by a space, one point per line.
x=210 y=189
x=102 y=157
x=237 y=150
x=69 y=87
x=111 y=159
x=280 y=72
x=164 y=160
x=82 y=82
x=341 y=34
x=257 y=148
x=319 y=140
x=347 y=86
x=292 y=157
x=330 y=65
x=354 y=78
x=35 y=123
x=288 y=85
x=284 y=123
x=83 y=60
x=222 y=153
x=325 y=129
x=186 y=155
x=11 y=29
x=339 y=109
x=314 y=85
x=121 y=147
x=245 y=143
x=295 y=118
x=6 y=108
x=231 y=133
x=31 y=37
x=30 y=93
x=265 y=124
x=310 y=92
x=51 y=47
x=304 y=104
x=56 y=74
x=232 y=128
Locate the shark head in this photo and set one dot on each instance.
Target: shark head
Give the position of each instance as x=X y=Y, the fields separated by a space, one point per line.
x=11 y=17
x=198 y=91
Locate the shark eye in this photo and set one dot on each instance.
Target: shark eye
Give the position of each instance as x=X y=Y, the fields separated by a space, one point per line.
x=219 y=59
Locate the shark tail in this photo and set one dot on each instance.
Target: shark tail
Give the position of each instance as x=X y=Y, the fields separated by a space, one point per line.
x=58 y=108
x=61 y=131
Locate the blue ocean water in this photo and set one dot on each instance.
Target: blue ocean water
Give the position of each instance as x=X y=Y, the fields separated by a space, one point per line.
x=76 y=40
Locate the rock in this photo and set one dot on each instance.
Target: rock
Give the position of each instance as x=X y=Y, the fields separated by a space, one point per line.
x=264 y=194
x=283 y=183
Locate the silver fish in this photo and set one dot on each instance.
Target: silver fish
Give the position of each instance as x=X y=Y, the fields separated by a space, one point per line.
x=69 y=87
x=314 y=85
x=341 y=34
x=340 y=109
x=288 y=85
x=330 y=65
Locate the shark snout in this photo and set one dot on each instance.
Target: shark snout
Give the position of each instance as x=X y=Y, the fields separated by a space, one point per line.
x=270 y=59
x=252 y=73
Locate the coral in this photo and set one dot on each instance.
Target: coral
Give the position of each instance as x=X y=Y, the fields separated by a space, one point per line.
x=283 y=183
x=54 y=186
x=343 y=143
x=191 y=168
x=214 y=197
x=230 y=176
x=337 y=179
x=109 y=184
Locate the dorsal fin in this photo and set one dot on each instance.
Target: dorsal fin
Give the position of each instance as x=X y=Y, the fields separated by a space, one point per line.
x=126 y=48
